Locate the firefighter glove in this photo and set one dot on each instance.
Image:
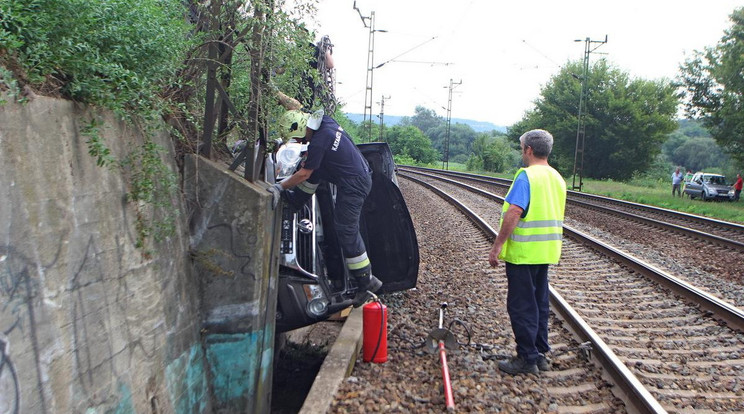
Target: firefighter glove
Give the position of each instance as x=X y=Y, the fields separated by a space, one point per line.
x=276 y=194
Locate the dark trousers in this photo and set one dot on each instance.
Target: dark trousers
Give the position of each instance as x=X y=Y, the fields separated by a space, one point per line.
x=528 y=307
x=676 y=189
x=350 y=195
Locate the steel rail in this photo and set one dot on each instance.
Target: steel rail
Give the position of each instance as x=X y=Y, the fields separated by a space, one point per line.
x=504 y=181
x=680 y=214
x=719 y=240
x=732 y=315
x=637 y=396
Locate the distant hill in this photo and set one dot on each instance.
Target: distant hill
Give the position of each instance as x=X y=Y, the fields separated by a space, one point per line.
x=392 y=120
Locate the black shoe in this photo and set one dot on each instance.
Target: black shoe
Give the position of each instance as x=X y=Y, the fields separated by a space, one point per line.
x=543 y=363
x=517 y=365
x=373 y=285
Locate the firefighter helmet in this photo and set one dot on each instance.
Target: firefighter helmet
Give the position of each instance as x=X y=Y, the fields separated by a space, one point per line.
x=292 y=124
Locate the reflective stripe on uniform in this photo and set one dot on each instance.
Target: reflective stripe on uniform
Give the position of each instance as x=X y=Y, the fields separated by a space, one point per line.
x=307 y=187
x=539 y=223
x=536 y=237
x=552 y=230
x=358 y=262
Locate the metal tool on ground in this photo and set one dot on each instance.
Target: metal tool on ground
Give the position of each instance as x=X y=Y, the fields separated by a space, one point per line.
x=438 y=341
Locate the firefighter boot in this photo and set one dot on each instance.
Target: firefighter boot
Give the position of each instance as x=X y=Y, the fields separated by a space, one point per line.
x=366 y=282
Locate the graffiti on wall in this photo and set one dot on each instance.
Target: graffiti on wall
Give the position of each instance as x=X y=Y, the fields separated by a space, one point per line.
x=99 y=306
x=18 y=290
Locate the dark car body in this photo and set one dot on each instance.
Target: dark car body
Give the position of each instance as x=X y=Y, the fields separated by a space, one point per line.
x=313 y=280
x=708 y=186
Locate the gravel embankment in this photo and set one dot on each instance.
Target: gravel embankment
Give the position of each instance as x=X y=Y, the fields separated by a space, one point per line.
x=454 y=269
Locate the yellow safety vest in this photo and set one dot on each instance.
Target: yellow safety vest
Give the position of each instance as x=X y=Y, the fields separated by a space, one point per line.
x=537 y=239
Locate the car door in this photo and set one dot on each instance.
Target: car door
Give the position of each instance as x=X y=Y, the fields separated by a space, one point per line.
x=695 y=187
x=386 y=225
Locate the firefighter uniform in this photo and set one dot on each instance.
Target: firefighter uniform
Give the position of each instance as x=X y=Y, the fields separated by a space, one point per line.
x=333 y=157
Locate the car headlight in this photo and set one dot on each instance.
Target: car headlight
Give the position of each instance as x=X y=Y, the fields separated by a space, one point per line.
x=317 y=307
x=317 y=304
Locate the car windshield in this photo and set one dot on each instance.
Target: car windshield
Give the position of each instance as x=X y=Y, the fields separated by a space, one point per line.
x=717 y=179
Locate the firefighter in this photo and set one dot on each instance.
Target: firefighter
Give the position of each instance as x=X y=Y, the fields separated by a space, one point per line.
x=332 y=156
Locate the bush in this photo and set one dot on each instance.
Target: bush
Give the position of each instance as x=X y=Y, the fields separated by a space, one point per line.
x=474 y=163
x=459 y=158
x=113 y=53
x=404 y=160
x=117 y=54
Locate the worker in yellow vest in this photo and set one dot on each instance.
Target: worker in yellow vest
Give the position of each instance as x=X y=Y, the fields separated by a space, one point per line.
x=529 y=239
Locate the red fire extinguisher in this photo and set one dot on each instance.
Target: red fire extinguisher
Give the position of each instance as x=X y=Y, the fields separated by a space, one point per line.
x=374 y=327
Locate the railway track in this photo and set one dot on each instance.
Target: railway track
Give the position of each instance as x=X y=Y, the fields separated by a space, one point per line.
x=678 y=353
x=722 y=233
x=709 y=265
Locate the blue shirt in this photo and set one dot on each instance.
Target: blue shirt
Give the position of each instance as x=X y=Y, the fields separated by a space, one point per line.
x=519 y=193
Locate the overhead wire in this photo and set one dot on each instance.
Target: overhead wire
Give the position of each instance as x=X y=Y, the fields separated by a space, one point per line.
x=541 y=53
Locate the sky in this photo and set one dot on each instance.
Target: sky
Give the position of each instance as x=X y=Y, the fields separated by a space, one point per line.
x=503 y=52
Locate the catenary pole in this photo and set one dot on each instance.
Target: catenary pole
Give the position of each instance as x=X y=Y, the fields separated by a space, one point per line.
x=578 y=168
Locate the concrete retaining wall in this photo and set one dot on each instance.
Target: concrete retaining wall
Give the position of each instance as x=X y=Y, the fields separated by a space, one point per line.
x=87 y=323
x=231 y=224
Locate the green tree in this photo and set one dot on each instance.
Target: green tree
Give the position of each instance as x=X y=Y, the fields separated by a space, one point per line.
x=409 y=141
x=368 y=131
x=714 y=88
x=461 y=137
x=626 y=120
x=692 y=147
x=699 y=153
x=424 y=119
x=500 y=156
x=493 y=152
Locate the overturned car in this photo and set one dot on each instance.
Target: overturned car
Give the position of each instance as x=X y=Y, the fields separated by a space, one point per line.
x=314 y=282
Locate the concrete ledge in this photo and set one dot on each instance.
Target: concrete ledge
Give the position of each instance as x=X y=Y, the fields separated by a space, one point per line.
x=337 y=365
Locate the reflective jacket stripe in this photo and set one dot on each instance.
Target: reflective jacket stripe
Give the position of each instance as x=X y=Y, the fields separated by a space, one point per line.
x=537 y=237
x=540 y=223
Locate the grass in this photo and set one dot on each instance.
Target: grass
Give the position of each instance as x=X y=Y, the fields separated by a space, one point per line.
x=660 y=194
